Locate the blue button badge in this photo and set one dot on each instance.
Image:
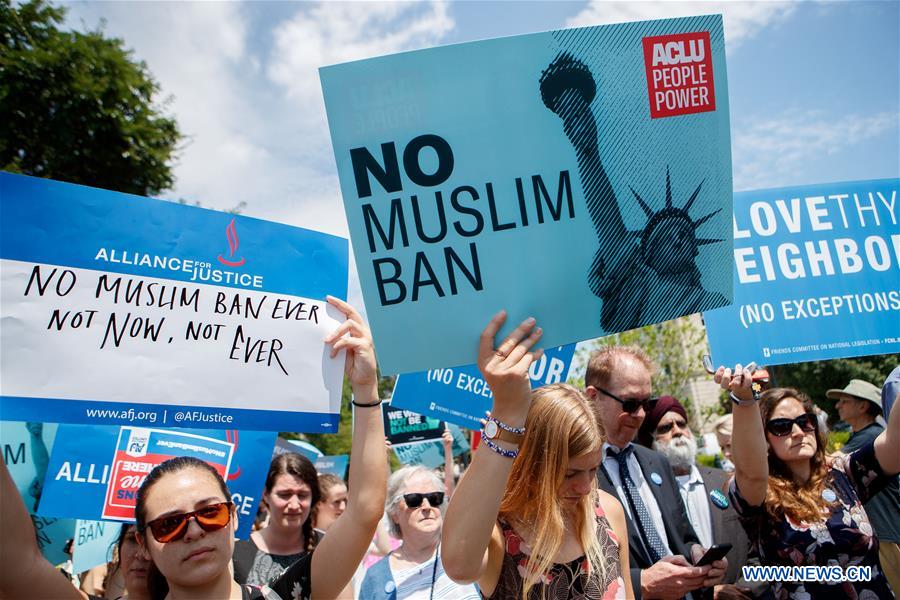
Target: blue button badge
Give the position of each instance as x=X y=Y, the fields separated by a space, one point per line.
x=719 y=499
x=655 y=478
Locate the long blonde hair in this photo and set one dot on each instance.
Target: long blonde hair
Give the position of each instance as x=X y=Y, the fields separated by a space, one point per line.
x=560 y=426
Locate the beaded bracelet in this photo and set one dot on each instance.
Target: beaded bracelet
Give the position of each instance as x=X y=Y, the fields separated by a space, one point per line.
x=498 y=449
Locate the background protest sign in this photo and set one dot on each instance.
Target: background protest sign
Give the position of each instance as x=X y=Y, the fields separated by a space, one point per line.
x=431 y=454
x=95 y=471
x=817 y=275
x=466 y=184
x=460 y=395
x=406 y=427
x=26 y=451
x=336 y=465
x=94 y=541
x=130 y=303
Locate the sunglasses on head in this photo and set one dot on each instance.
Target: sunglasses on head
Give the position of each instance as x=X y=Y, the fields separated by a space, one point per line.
x=414 y=500
x=666 y=428
x=632 y=405
x=783 y=427
x=172 y=528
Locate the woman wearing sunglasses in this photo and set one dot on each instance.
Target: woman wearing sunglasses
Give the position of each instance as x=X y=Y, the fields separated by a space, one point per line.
x=186 y=521
x=797 y=509
x=415 y=501
x=527 y=521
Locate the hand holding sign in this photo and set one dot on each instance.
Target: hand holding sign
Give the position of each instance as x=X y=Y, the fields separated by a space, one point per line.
x=506 y=368
x=360 y=367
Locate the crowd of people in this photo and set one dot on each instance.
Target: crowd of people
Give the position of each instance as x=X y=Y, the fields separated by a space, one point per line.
x=573 y=493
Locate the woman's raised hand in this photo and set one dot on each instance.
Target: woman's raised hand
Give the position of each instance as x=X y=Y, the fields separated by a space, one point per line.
x=737 y=382
x=505 y=368
x=353 y=335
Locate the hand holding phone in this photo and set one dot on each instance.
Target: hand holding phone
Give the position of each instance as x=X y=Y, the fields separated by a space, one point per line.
x=714 y=553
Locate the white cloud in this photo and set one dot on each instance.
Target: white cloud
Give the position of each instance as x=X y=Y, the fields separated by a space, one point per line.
x=770 y=151
x=742 y=20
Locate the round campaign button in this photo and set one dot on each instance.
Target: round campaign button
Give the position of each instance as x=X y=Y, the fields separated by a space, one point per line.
x=655 y=478
x=829 y=495
x=719 y=499
x=389 y=587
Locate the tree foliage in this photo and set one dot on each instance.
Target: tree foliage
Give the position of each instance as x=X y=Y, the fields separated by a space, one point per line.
x=77 y=107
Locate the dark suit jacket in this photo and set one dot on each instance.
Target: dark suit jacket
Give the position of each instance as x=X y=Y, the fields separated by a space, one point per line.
x=678 y=528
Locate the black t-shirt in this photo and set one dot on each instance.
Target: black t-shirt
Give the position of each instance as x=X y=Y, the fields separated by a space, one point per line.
x=294 y=584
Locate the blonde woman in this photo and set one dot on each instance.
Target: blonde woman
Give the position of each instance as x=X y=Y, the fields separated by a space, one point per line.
x=527 y=521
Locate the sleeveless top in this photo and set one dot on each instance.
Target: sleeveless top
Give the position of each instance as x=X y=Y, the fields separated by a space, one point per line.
x=563 y=581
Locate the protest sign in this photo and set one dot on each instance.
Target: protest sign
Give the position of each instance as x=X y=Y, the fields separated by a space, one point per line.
x=95 y=471
x=26 y=452
x=460 y=395
x=579 y=176
x=283 y=446
x=156 y=313
x=407 y=427
x=94 y=541
x=431 y=454
x=816 y=277
x=336 y=465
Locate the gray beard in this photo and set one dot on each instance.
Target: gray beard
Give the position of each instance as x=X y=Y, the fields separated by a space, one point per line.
x=681 y=452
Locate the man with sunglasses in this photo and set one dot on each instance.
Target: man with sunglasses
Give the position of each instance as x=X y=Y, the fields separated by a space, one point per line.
x=663 y=545
x=859 y=405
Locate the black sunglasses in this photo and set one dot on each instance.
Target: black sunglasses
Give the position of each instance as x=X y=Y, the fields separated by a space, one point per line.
x=632 y=405
x=783 y=427
x=172 y=528
x=414 y=500
x=664 y=429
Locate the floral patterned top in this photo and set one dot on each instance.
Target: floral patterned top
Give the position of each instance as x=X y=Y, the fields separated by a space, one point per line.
x=564 y=581
x=842 y=539
x=294 y=584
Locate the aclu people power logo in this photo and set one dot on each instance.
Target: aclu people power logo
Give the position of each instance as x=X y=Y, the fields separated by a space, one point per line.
x=233 y=244
x=679 y=74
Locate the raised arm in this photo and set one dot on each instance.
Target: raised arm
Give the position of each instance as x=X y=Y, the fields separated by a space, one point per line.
x=748 y=438
x=24 y=572
x=340 y=552
x=447 y=442
x=471 y=540
x=887 y=445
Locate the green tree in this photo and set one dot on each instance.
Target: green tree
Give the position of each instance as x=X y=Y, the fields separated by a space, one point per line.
x=77 y=107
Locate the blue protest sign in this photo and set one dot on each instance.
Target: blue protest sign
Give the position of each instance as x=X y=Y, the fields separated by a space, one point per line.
x=26 y=451
x=816 y=275
x=94 y=541
x=95 y=471
x=461 y=396
x=431 y=454
x=580 y=176
x=336 y=465
x=200 y=318
x=403 y=426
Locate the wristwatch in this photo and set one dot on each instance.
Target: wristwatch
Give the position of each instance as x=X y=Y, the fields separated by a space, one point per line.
x=495 y=430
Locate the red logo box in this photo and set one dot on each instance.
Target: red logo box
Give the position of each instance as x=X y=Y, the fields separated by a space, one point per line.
x=679 y=74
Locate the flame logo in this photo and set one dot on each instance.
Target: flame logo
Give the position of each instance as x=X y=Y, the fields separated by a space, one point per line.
x=233 y=243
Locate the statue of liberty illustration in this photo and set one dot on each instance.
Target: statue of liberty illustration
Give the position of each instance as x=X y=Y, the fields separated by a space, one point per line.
x=643 y=276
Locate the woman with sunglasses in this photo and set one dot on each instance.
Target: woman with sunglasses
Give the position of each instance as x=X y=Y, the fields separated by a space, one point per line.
x=415 y=501
x=527 y=521
x=186 y=521
x=796 y=508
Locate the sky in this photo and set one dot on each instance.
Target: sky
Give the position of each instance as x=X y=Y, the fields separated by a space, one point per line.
x=813 y=86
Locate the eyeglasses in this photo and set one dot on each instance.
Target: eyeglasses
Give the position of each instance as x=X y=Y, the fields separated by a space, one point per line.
x=664 y=429
x=172 y=528
x=632 y=405
x=414 y=500
x=783 y=427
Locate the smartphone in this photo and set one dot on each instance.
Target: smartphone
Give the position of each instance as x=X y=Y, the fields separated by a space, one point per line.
x=716 y=552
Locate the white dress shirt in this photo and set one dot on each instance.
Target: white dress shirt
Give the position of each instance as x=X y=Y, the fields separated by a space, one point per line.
x=693 y=493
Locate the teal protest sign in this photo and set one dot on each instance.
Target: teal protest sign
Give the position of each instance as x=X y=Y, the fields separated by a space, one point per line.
x=408 y=427
x=94 y=541
x=431 y=454
x=579 y=176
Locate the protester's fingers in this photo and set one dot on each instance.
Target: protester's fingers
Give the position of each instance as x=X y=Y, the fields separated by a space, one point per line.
x=349 y=311
x=348 y=326
x=348 y=343
x=530 y=357
x=720 y=372
x=514 y=339
x=525 y=345
x=486 y=341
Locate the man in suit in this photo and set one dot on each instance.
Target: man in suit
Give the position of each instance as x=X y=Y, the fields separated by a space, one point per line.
x=662 y=544
x=703 y=491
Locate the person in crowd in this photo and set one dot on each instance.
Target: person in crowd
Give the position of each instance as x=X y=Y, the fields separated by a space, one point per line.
x=797 y=507
x=666 y=429
x=332 y=502
x=131 y=565
x=858 y=405
x=449 y=475
x=292 y=489
x=186 y=521
x=527 y=520
x=415 y=502
x=663 y=545
x=722 y=427
x=890 y=391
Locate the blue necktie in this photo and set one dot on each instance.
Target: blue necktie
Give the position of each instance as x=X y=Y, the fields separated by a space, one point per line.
x=639 y=512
